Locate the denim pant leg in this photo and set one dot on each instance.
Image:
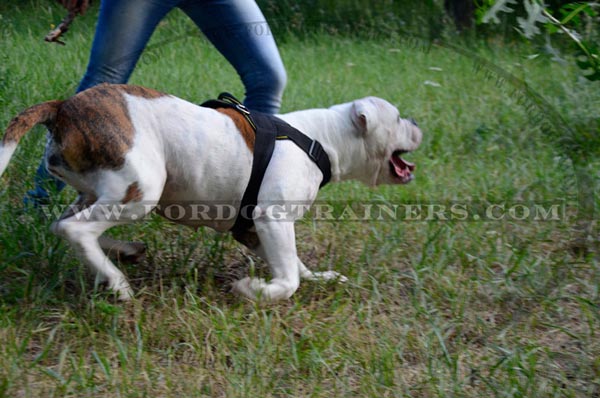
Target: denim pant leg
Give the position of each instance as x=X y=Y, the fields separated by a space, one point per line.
x=238 y=29
x=45 y=183
x=122 y=32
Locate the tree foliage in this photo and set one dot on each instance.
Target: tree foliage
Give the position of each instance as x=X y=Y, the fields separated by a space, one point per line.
x=577 y=21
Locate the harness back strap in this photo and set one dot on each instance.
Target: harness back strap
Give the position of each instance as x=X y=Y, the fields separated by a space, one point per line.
x=267 y=130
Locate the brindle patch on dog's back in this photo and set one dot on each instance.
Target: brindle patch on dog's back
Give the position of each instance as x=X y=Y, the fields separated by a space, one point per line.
x=93 y=128
x=139 y=91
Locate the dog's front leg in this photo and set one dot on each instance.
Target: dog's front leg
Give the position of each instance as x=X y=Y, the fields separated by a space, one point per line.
x=251 y=241
x=278 y=249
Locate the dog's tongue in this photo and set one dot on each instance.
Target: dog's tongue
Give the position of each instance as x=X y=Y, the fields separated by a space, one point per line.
x=402 y=167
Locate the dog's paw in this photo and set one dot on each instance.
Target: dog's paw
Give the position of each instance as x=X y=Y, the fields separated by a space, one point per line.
x=122 y=294
x=125 y=294
x=327 y=276
x=121 y=289
x=249 y=287
x=258 y=290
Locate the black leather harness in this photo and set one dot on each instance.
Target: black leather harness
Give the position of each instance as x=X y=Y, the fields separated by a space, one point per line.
x=267 y=129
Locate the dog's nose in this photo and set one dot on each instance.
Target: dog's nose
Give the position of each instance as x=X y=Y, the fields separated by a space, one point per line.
x=413 y=121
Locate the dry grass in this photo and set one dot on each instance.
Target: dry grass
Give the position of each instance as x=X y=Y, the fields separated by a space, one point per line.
x=432 y=308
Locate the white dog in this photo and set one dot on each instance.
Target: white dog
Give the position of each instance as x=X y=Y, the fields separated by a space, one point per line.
x=144 y=150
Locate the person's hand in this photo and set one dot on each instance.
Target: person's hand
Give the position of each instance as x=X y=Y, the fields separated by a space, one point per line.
x=76 y=6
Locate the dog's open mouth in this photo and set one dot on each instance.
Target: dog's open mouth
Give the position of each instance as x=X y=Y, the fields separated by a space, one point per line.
x=400 y=168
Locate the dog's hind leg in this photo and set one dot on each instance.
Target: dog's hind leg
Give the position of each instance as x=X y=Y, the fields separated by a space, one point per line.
x=83 y=229
x=125 y=252
x=121 y=251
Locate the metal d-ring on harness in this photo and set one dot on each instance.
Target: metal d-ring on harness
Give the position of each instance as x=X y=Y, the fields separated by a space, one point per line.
x=267 y=129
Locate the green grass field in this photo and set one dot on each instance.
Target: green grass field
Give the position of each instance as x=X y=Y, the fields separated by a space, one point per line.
x=433 y=308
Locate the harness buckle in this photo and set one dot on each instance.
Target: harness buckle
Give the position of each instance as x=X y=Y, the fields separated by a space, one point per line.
x=226 y=97
x=242 y=109
x=239 y=106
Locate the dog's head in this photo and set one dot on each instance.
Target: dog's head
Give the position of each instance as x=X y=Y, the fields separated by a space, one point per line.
x=387 y=136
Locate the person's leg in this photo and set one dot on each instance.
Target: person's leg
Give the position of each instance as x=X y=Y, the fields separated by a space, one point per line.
x=238 y=29
x=122 y=31
x=45 y=185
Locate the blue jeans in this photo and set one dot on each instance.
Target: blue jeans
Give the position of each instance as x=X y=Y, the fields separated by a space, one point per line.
x=237 y=28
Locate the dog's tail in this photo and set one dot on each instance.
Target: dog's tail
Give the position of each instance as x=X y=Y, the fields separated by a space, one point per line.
x=44 y=113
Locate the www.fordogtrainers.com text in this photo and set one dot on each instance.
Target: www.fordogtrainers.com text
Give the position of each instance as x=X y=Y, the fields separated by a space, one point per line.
x=320 y=211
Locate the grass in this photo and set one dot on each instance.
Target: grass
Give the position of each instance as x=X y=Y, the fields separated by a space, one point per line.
x=433 y=308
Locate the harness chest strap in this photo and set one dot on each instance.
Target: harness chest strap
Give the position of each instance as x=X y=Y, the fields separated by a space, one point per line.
x=267 y=129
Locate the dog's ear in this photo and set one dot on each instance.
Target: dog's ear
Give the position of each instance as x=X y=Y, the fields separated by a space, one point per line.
x=363 y=114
